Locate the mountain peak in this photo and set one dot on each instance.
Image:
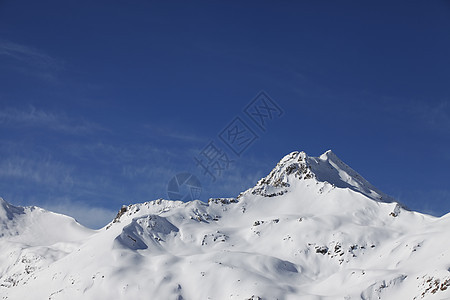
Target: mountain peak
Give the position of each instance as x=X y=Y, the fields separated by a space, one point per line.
x=327 y=155
x=293 y=165
x=327 y=169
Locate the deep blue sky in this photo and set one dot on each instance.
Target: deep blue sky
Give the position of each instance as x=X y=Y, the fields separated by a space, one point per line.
x=101 y=104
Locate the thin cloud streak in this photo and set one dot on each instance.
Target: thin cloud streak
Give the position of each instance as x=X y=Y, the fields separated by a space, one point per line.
x=29 y=55
x=172 y=133
x=46 y=172
x=33 y=117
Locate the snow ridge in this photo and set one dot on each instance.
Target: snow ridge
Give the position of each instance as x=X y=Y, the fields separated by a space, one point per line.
x=328 y=167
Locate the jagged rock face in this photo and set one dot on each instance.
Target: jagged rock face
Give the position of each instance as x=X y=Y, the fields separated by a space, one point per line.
x=7 y=211
x=312 y=229
x=294 y=166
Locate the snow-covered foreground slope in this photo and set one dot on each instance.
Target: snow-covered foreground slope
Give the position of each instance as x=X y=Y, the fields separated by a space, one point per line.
x=312 y=229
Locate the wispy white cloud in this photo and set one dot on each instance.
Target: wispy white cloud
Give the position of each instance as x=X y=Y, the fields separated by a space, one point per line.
x=27 y=54
x=45 y=172
x=30 y=60
x=88 y=171
x=158 y=131
x=33 y=117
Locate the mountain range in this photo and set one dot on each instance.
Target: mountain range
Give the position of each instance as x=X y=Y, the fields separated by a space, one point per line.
x=313 y=228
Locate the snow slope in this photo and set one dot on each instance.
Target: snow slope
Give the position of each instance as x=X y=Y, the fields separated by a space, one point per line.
x=312 y=229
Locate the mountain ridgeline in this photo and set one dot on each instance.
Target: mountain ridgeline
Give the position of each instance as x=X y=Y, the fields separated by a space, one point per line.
x=313 y=228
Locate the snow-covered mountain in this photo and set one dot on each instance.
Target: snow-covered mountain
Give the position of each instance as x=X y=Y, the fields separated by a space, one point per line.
x=312 y=229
